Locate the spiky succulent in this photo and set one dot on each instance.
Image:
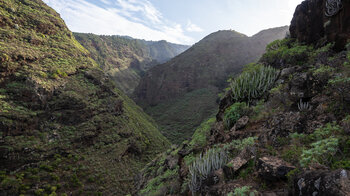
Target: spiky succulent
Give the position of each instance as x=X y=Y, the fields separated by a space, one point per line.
x=304 y=106
x=253 y=84
x=204 y=165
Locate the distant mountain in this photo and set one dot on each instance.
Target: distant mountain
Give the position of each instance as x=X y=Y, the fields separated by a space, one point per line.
x=125 y=59
x=198 y=75
x=65 y=129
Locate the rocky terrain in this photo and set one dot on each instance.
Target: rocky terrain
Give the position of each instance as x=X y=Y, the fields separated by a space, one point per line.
x=65 y=129
x=282 y=127
x=125 y=60
x=181 y=93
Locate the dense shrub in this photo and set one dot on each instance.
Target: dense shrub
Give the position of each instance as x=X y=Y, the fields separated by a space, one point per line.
x=233 y=113
x=281 y=52
x=320 y=152
x=199 y=138
x=253 y=83
x=321 y=146
x=243 y=191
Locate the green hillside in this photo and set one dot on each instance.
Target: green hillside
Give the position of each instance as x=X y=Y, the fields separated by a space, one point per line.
x=200 y=73
x=64 y=127
x=125 y=59
x=282 y=129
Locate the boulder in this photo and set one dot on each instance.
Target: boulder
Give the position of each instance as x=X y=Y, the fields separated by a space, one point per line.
x=239 y=162
x=335 y=183
x=313 y=23
x=273 y=168
x=241 y=123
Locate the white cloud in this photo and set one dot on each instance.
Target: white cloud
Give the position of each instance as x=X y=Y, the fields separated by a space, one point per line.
x=107 y=2
x=142 y=8
x=193 y=27
x=82 y=16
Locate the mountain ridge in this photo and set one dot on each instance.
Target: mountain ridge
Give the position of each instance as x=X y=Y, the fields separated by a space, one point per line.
x=198 y=74
x=64 y=126
x=125 y=59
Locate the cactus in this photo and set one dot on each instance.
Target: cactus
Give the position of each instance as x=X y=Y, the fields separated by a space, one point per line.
x=253 y=84
x=204 y=165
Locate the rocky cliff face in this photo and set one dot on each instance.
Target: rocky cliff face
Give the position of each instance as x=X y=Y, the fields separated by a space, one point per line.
x=64 y=127
x=125 y=59
x=197 y=76
x=321 y=21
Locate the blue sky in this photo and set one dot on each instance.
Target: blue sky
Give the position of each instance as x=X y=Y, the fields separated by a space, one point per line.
x=177 y=21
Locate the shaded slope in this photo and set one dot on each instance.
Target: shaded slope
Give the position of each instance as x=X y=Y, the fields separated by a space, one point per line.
x=64 y=127
x=125 y=59
x=206 y=65
x=293 y=139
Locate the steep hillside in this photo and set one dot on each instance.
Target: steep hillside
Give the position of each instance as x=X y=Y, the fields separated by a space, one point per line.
x=125 y=59
x=64 y=127
x=282 y=127
x=197 y=76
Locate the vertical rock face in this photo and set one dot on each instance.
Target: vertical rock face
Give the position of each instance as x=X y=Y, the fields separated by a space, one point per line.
x=321 y=21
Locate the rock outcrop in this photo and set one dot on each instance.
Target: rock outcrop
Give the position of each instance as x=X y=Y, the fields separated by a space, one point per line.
x=273 y=168
x=313 y=24
x=335 y=183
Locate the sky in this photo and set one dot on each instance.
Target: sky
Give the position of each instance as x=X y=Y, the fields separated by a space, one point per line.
x=176 y=21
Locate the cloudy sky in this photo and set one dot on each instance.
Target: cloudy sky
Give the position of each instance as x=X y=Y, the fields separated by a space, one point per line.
x=177 y=21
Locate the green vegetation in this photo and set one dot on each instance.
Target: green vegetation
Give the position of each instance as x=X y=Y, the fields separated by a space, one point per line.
x=64 y=127
x=124 y=59
x=199 y=138
x=320 y=147
x=243 y=191
x=179 y=118
x=253 y=83
x=320 y=152
x=204 y=165
x=287 y=51
x=233 y=113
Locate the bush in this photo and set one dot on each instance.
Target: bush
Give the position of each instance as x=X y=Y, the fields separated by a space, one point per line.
x=233 y=113
x=253 y=84
x=199 y=138
x=243 y=191
x=286 y=51
x=320 y=152
x=204 y=165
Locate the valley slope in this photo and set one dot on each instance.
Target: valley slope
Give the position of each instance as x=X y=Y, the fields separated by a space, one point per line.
x=64 y=126
x=125 y=59
x=181 y=93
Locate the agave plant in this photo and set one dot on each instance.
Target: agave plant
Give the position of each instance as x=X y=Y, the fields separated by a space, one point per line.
x=303 y=106
x=253 y=84
x=204 y=165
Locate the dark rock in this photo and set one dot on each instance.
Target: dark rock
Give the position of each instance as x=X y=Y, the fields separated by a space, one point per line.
x=172 y=161
x=273 y=168
x=281 y=125
x=241 y=123
x=287 y=71
x=311 y=25
x=239 y=162
x=224 y=103
x=219 y=175
x=335 y=183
